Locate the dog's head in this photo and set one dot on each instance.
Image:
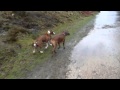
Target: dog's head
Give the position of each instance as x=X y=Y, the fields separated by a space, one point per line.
x=34 y=44
x=51 y=32
x=66 y=33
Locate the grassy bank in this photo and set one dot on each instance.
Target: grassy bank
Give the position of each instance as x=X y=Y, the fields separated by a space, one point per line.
x=24 y=61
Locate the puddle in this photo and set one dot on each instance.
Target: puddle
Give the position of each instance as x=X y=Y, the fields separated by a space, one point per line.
x=99 y=47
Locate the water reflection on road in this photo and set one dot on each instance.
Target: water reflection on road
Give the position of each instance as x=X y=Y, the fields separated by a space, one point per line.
x=97 y=54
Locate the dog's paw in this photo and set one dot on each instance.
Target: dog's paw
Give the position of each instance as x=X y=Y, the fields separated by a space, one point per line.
x=50 y=44
x=41 y=51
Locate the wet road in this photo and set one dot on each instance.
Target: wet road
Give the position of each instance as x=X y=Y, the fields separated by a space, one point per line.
x=97 y=56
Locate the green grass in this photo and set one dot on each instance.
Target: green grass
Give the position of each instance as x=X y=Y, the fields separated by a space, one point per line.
x=73 y=27
x=26 y=61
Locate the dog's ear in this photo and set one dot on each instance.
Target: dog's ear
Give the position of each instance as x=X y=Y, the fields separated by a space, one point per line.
x=49 y=32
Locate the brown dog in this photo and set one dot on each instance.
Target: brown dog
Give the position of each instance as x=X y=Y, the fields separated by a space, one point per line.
x=56 y=40
x=38 y=43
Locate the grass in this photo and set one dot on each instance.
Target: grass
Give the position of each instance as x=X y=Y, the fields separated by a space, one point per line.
x=25 y=60
x=73 y=27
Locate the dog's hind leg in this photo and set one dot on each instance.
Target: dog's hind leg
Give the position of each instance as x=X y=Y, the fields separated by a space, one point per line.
x=64 y=44
x=46 y=46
